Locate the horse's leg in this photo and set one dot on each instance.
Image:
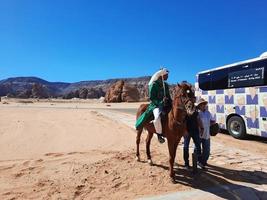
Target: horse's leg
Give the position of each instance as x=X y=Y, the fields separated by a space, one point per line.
x=148 y=140
x=171 y=147
x=138 y=136
x=176 y=145
x=175 y=149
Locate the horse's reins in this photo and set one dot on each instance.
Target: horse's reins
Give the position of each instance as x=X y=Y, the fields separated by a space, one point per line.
x=180 y=108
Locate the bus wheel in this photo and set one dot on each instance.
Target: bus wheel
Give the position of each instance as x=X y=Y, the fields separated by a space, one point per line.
x=236 y=127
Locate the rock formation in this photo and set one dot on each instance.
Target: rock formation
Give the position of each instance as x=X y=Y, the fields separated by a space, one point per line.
x=122 y=92
x=114 y=92
x=129 y=94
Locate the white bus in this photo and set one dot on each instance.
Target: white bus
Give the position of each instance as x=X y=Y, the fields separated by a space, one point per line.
x=237 y=96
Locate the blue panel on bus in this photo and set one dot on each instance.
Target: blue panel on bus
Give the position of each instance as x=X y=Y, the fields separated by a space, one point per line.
x=252 y=100
x=219 y=91
x=252 y=123
x=263 y=89
x=204 y=92
x=241 y=110
x=229 y=99
x=263 y=133
x=263 y=111
x=239 y=90
x=211 y=99
x=220 y=108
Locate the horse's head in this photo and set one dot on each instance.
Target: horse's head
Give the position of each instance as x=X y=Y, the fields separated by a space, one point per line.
x=184 y=98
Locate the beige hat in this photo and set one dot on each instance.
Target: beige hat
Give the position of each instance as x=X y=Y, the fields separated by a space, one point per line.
x=201 y=101
x=159 y=73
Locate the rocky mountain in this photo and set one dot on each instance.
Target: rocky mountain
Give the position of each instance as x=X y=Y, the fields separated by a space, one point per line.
x=26 y=87
x=33 y=87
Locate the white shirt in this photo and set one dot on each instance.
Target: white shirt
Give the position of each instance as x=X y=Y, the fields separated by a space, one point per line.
x=205 y=118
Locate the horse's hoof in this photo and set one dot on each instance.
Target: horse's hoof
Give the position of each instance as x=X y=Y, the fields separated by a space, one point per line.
x=172 y=180
x=137 y=158
x=149 y=161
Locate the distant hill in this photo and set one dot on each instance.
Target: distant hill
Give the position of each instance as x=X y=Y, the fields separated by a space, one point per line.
x=34 y=87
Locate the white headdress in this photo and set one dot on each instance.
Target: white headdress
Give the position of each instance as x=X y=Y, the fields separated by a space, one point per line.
x=158 y=74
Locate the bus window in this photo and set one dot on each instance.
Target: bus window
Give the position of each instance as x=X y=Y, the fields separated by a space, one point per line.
x=248 y=75
x=204 y=81
x=262 y=64
x=219 y=79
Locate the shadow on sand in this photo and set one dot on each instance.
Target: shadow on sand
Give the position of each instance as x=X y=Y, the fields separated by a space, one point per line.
x=224 y=183
x=248 y=137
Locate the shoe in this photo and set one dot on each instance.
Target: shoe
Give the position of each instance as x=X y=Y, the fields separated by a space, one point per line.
x=187 y=166
x=160 y=138
x=201 y=165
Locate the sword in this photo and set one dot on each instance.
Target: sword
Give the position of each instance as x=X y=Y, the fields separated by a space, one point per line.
x=164 y=89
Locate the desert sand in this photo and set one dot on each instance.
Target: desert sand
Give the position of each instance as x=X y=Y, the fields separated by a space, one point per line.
x=70 y=150
x=58 y=151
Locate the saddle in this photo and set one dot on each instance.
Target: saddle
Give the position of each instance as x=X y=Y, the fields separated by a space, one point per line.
x=147 y=115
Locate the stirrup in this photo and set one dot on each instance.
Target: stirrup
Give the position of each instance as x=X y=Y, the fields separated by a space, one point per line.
x=160 y=138
x=160 y=134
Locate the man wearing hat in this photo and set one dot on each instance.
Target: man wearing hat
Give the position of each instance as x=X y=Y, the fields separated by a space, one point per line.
x=206 y=120
x=159 y=95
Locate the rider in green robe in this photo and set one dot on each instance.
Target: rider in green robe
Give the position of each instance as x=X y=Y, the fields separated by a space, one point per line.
x=158 y=94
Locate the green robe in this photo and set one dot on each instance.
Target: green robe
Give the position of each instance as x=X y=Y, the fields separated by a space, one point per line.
x=156 y=95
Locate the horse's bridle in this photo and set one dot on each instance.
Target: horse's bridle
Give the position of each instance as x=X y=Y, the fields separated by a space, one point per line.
x=184 y=101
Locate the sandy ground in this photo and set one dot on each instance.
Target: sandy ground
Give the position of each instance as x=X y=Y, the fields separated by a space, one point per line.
x=60 y=150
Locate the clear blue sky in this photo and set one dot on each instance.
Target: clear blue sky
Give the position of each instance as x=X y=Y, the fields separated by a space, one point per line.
x=74 y=40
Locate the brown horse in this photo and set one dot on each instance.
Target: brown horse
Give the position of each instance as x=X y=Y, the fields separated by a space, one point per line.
x=173 y=124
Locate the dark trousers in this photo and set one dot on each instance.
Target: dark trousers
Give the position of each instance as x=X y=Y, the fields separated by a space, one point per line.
x=196 y=139
x=205 y=150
